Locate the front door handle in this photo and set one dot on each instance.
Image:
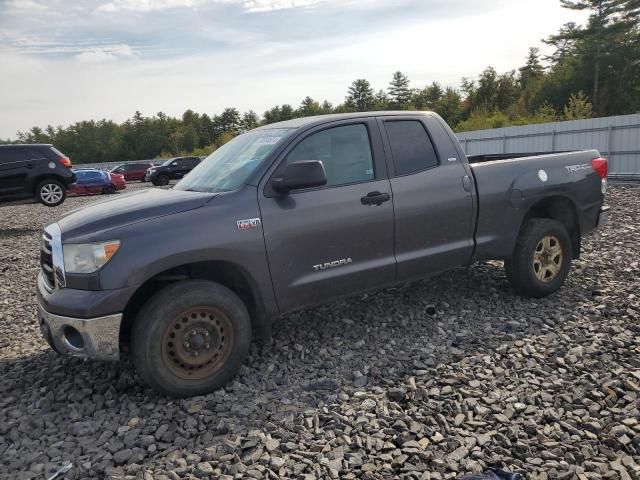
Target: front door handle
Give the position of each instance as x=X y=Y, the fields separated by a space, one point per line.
x=375 y=198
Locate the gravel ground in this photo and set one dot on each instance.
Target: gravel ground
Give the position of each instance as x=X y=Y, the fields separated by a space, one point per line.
x=428 y=380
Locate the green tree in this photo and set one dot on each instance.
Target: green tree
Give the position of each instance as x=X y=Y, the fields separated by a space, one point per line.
x=449 y=106
x=309 y=107
x=599 y=36
x=533 y=70
x=250 y=120
x=381 y=101
x=399 y=91
x=578 y=108
x=360 y=96
x=427 y=98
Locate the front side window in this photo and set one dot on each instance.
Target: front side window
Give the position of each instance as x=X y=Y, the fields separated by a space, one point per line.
x=344 y=151
x=230 y=166
x=411 y=147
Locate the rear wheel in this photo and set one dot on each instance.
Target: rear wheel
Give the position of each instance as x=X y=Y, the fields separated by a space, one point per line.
x=542 y=258
x=109 y=189
x=50 y=192
x=191 y=338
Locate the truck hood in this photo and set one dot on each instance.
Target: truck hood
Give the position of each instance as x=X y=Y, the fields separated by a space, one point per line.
x=127 y=209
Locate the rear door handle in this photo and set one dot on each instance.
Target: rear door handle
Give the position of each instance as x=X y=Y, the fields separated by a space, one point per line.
x=466 y=183
x=375 y=198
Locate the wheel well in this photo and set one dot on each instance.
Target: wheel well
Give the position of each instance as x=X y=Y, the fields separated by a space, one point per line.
x=40 y=178
x=563 y=210
x=225 y=273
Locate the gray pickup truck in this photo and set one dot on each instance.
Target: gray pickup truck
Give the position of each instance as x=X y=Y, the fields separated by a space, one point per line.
x=296 y=214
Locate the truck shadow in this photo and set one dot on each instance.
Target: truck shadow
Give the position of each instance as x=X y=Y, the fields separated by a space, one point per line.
x=56 y=407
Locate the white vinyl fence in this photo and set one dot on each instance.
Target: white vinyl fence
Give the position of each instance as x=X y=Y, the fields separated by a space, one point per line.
x=617 y=138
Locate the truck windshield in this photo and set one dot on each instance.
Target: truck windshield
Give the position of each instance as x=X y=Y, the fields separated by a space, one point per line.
x=231 y=165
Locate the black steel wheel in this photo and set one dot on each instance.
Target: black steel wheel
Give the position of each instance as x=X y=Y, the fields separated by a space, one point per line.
x=190 y=338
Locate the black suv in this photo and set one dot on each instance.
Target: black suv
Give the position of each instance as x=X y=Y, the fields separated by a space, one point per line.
x=172 y=169
x=35 y=170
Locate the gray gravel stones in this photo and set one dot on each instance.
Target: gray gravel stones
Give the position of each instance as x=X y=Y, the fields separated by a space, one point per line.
x=429 y=380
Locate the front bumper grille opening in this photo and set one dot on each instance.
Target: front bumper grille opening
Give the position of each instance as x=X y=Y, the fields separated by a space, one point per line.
x=46 y=261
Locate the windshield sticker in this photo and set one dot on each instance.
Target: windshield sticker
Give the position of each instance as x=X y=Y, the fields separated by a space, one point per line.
x=268 y=140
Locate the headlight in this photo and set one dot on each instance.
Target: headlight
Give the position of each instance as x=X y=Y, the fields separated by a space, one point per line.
x=88 y=257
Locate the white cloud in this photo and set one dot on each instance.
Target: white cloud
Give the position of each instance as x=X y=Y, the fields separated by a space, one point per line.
x=33 y=6
x=248 y=61
x=105 y=53
x=247 y=5
x=267 y=5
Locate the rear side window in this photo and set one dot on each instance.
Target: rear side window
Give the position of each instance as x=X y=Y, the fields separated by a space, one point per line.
x=9 y=155
x=411 y=147
x=57 y=152
x=345 y=153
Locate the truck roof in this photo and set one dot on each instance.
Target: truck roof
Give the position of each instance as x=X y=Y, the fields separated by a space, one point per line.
x=26 y=145
x=320 y=119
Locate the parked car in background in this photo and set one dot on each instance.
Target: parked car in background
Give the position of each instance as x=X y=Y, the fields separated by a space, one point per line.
x=36 y=171
x=172 y=169
x=132 y=171
x=96 y=182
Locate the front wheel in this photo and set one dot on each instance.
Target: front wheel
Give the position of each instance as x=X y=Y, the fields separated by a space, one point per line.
x=50 y=192
x=109 y=190
x=161 y=181
x=541 y=260
x=190 y=338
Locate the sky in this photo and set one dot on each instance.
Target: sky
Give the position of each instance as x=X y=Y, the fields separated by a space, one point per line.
x=63 y=61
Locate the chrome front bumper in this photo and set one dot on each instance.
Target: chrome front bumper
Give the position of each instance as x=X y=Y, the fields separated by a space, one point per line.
x=97 y=338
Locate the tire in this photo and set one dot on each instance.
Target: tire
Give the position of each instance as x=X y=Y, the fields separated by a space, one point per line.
x=186 y=317
x=161 y=180
x=541 y=260
x=109 y=190
x=50 y=192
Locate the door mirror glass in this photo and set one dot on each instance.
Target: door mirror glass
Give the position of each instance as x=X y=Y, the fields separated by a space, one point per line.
x=297 y=175
x=174 y=164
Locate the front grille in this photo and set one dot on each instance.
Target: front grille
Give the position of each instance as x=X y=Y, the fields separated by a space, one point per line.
x=46 y=261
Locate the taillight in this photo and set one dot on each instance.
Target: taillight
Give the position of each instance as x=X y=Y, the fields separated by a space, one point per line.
x=601 y=167
x=64 y=161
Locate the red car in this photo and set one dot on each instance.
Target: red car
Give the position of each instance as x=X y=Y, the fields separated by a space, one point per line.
x=96 y=182
x=132 y=171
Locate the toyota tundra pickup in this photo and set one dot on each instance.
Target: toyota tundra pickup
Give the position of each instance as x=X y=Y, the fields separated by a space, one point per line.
x=296 y=214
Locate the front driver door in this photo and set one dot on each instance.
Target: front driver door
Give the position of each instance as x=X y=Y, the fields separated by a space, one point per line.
x=327 y=242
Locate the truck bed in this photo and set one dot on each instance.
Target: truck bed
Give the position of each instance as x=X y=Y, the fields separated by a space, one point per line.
x=515 y=182
x=490 y=157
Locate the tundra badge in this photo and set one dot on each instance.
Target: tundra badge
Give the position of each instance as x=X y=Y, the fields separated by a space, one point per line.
x=334 y=264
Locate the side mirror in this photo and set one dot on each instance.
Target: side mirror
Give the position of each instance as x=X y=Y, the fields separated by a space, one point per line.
x=303 y=174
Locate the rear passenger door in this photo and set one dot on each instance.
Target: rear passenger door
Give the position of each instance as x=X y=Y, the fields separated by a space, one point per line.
x=334 y=240
x=432 y=198
x=15 y=163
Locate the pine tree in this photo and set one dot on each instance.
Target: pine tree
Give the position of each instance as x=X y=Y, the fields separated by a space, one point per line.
x=360 y=97
x=532 y=70
x=601 y=26
x=399 y=91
